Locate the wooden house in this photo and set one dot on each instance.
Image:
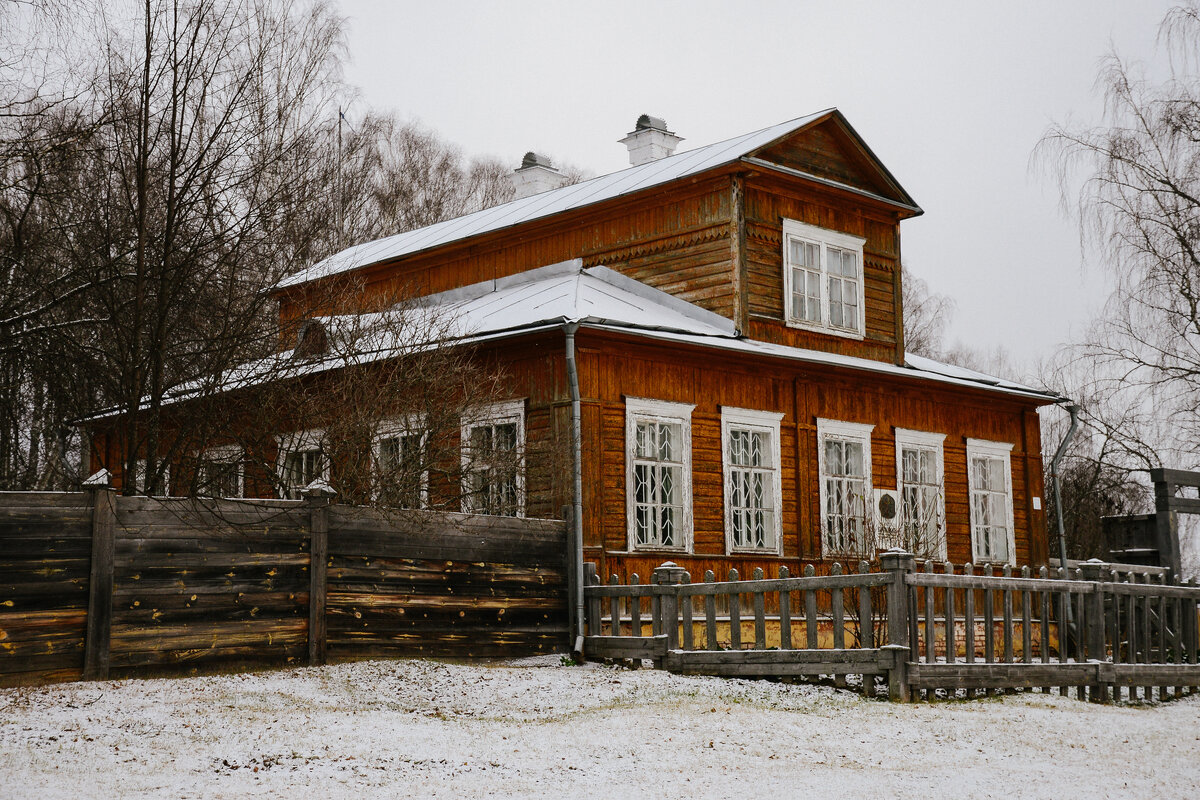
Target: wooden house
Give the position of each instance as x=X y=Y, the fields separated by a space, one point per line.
x=745 y=395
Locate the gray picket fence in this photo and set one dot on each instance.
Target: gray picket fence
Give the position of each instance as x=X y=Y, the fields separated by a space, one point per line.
x=1098 y=631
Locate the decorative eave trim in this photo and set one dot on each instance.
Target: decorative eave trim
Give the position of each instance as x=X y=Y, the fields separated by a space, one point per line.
x=710 y=233
x=845 y=187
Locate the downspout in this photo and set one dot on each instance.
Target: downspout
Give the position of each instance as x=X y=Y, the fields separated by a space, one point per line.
x=576 y=485
x=1073 y=410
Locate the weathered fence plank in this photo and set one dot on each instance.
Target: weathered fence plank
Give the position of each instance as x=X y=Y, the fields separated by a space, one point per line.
x=100 y=584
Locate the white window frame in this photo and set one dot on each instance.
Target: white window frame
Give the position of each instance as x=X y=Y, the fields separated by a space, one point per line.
x=299 y=441
x=139 y=477
x=823 y=238
x=850 y=432
x=492 y=414
x=647 y=409
x=757 y=422
x=925 y=441
x=393 y=427
x=225 y=454
x=1003 y=451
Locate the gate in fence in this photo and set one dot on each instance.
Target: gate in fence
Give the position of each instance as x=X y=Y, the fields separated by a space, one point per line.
x=1100 y=629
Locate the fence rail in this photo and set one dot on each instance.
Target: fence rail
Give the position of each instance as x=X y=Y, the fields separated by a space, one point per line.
x=1099 y=630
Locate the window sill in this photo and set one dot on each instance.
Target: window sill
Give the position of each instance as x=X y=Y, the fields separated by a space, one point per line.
x=806 y=326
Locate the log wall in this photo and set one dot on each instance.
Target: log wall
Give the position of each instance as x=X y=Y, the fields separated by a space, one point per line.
x=614 y=367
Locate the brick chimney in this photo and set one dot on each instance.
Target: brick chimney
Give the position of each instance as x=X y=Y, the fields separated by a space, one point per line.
x=536 y=175
x=650 y=140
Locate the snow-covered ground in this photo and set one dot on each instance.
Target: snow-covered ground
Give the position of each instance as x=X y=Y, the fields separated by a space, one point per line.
x=429 y=729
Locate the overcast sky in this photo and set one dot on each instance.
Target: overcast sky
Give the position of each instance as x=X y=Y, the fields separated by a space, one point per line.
x=952 y=97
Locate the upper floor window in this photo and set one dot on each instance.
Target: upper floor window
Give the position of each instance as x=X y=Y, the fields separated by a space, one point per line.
x=989 y=470
x=493 y=460
x=823 y=284
x=301 y=461
x=401 y=463
x=658 y=478
x=844 y=461
x=919 y=471
x=750 y=453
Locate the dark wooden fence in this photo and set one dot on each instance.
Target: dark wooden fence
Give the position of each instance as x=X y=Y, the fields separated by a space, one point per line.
x=1097 y=632
x=45 y=558
x=94 y=584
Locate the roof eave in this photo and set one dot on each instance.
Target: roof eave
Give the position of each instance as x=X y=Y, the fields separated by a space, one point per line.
x=913 y=211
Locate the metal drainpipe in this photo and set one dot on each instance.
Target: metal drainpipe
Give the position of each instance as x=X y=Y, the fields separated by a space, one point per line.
x=1073 y=410
x=576 y=482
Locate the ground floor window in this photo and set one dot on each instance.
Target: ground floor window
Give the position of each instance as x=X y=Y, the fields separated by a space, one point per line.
x=493 y=460
x=751 y=456
x=919 y=472
x=658 y=442
x=989 y=471
x=302 y=460
x=141 y=478
x=844 y=462
x=220 y=472
x=401 y=474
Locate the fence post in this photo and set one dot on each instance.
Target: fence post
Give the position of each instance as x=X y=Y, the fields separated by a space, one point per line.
x=317 y=496
x=100 y=580
x=1096 y=571
x=592 y=606
x=668 y=575
x=899 y=563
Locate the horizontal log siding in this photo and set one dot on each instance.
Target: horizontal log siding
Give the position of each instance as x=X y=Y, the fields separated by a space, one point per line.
x=696 y=269
x=768 y=203
x=681 y=228
x=450 y=586
x=211 y=582
x=617 y=367
x=45 y=561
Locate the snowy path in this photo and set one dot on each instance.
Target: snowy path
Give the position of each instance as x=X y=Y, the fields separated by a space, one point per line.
x=427 y=729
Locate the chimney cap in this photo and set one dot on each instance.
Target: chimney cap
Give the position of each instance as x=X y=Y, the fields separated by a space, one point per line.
x=533 y=159
x=647 y=122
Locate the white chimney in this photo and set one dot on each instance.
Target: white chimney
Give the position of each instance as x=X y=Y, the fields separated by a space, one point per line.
x=536 y=175
x=650 y=140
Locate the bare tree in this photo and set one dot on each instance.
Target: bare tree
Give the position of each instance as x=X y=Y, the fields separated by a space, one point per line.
x=155 y=179
x=1138 y=202
x=927 y=314
x=391 y=407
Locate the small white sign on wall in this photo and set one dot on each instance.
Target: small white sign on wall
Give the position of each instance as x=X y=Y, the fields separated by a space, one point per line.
x=1037 y=504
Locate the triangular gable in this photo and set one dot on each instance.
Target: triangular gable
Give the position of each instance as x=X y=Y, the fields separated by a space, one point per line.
x=830 y=149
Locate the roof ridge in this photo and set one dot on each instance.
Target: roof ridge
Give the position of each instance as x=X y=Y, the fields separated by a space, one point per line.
x=538 y=206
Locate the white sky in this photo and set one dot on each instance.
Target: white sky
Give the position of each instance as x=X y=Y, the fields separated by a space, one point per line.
x=952 y=96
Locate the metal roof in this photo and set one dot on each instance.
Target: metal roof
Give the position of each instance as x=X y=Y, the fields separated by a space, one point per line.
x=546 y=299
x=566 y=292
x=599 y=297
x=545 y=204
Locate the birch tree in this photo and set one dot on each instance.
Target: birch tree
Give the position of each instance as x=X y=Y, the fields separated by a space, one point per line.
x=1138 y=201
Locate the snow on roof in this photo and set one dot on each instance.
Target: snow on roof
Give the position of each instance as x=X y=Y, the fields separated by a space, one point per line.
x=567 y=292
x=599 y=297
x=548 y=298
x=545 y=204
